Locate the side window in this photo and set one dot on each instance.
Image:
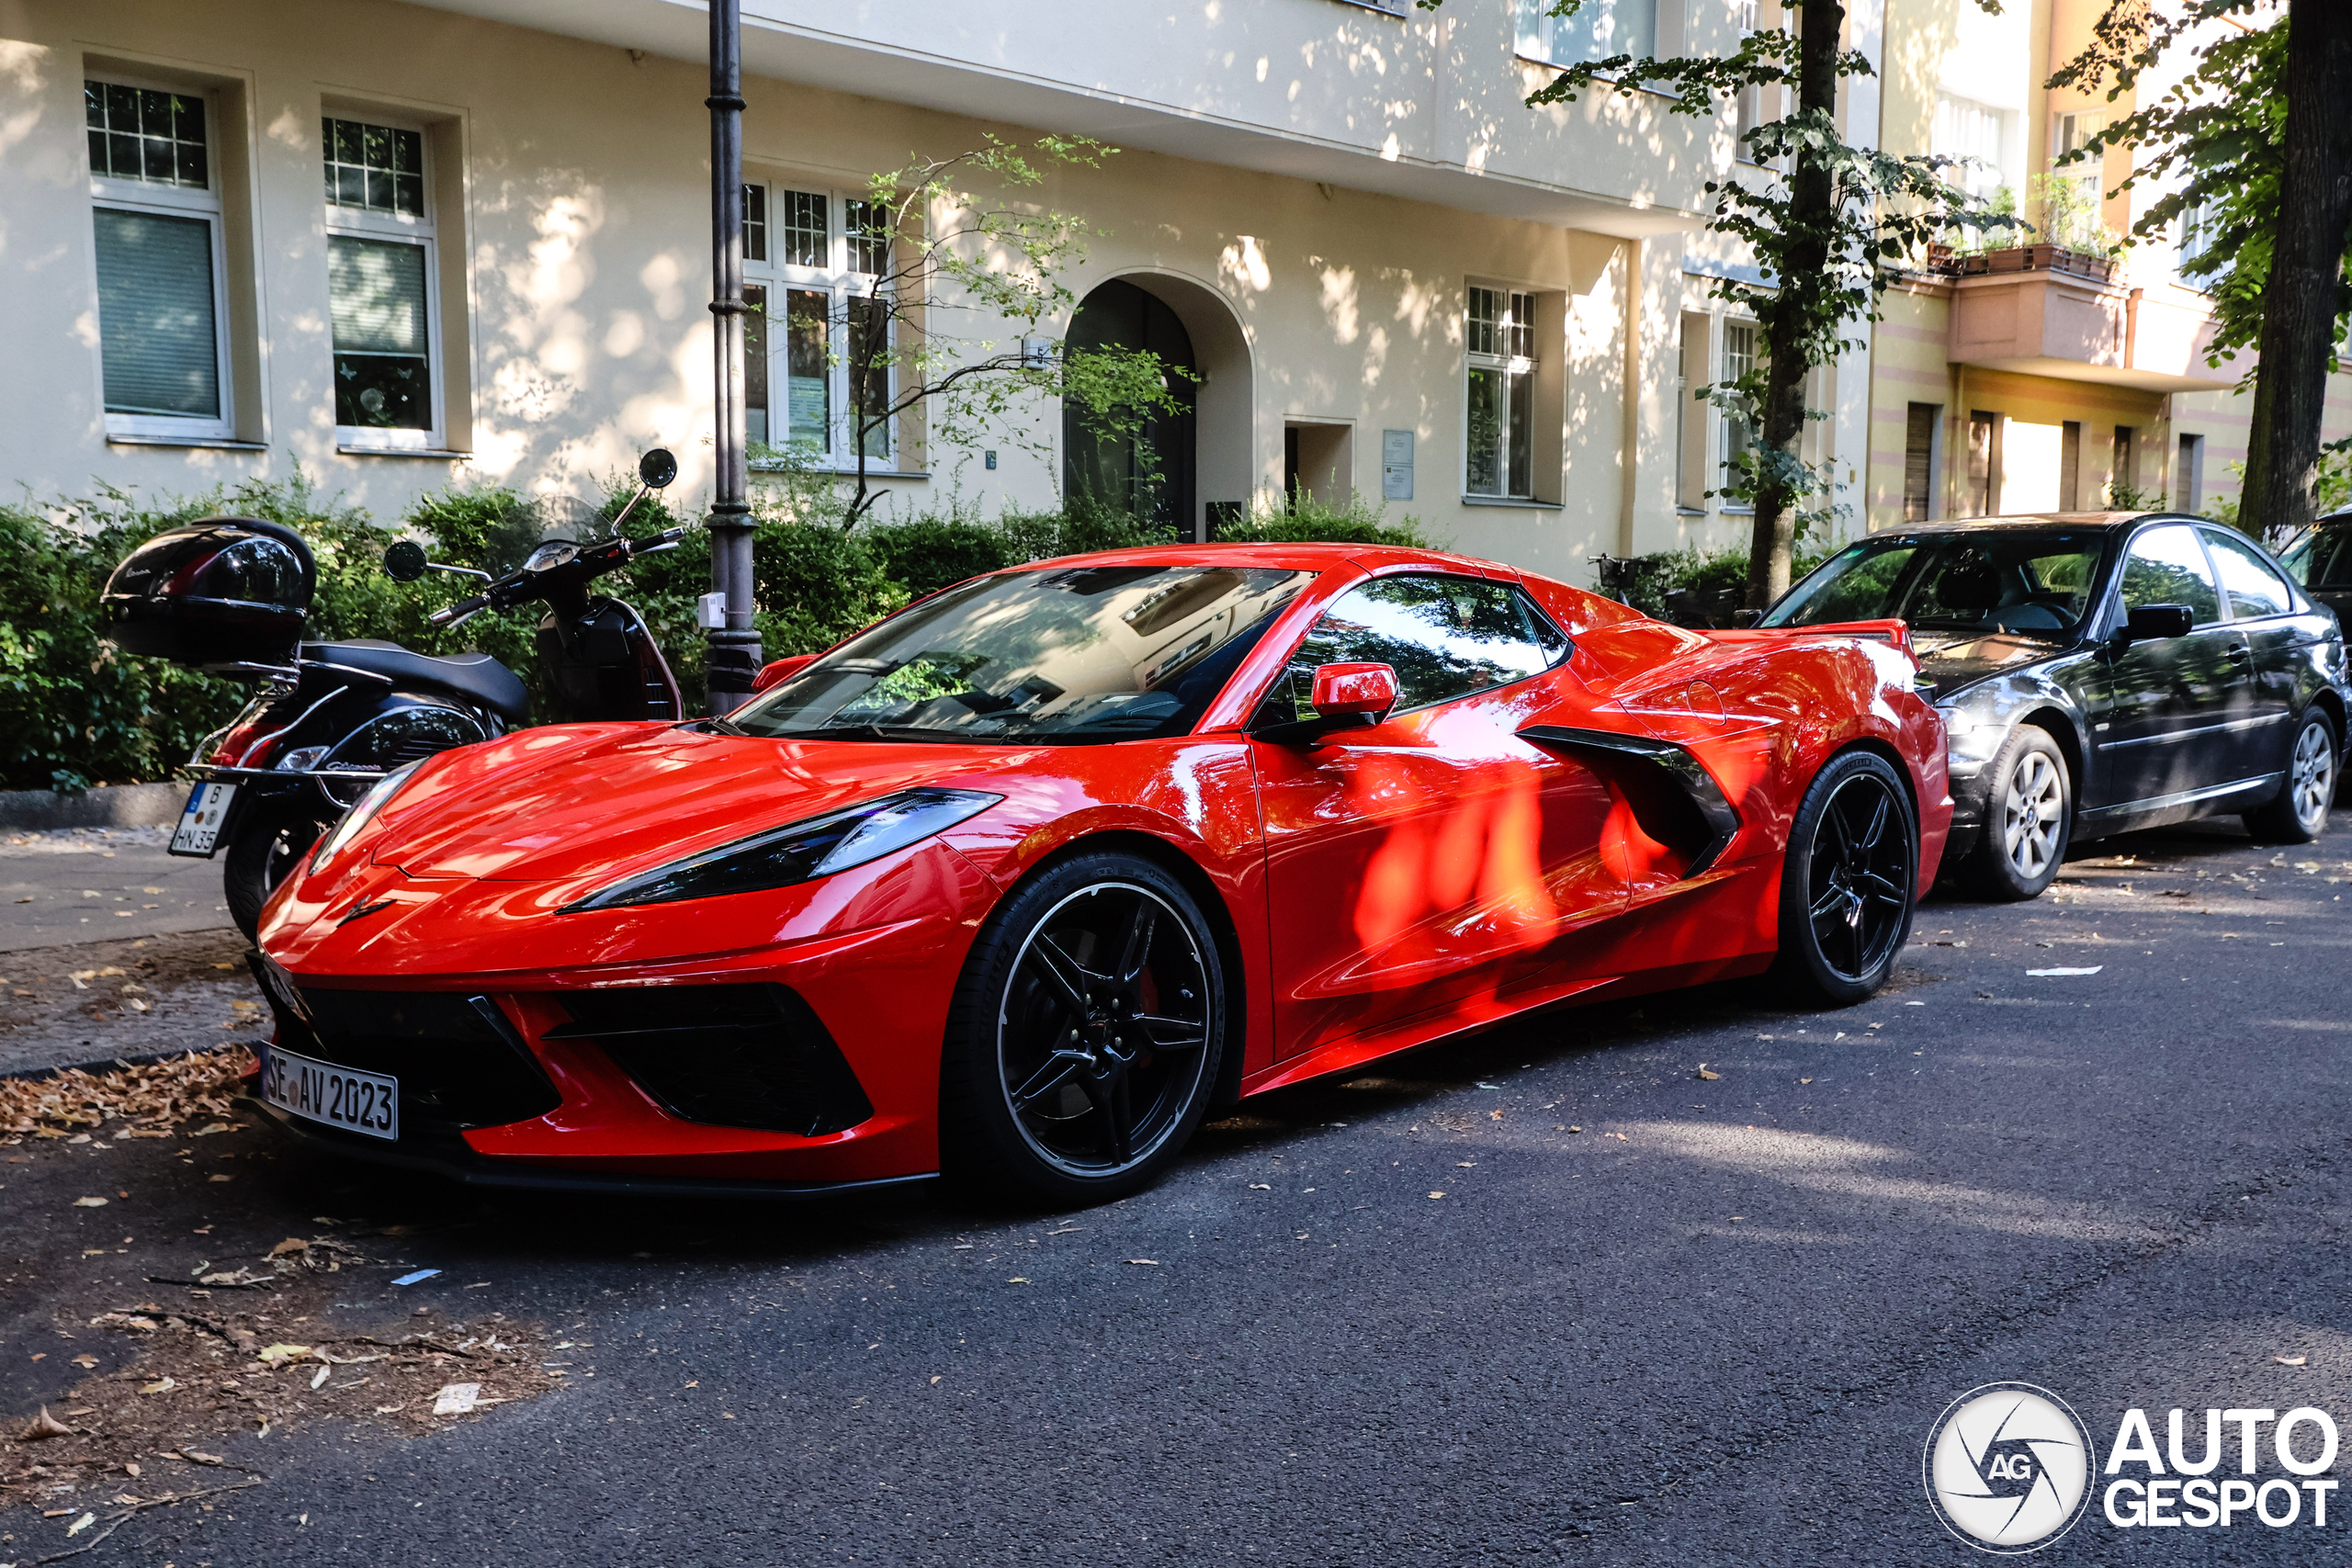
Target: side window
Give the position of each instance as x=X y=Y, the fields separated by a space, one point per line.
x=1445 y=637
x=2254 y=588
x=2167 y=566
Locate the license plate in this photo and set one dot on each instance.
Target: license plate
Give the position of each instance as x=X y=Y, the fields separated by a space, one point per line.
x=339 y=1096
x=208 y=806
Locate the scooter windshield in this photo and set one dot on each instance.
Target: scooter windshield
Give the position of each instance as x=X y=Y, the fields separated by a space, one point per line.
x=1071 y=655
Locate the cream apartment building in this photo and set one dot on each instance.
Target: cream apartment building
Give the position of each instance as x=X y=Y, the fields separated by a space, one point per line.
x=2025 y=380
x=409 y=245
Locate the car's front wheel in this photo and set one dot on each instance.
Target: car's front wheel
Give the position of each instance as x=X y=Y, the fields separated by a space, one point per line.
x=2298 y=812
x=1084 y=1041
x=1849 y=882
x=2029 y=818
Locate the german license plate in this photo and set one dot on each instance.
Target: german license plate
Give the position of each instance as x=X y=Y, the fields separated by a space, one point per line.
x=339 y=1096
x=208 y=807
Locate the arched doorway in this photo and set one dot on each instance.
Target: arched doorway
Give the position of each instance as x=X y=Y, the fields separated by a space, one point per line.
x=1155 y=473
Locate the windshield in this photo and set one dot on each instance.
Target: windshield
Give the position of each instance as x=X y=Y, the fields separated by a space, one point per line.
x=1071 y=654
x=2034 y=583
x=2321 y=559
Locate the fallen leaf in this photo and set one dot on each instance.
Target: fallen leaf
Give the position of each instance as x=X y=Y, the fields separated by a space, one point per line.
x=323 y=1373
x=45 y=1426
x=1706 y=1075
x=934 y=1382
x=456 y=1399
x=1153 y=1261
x=273 y=1354
x=196 y=1457
x=90 y=1202
x=221 y=1179
x=1576 y=1129
x=2091 y=970
x=211 y=1127
x=130 y=1468
x=161 y=1385
x=1437 y=1194
x=78 y=1526
x=1261 y=1186
x=291 y=1244
x=1018 y=1280
x=2290 y=1360
x=85 y=1359
x=1805 y=1080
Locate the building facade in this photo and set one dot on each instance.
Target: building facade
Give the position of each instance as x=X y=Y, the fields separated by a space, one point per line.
x=408 y=246
x=2044 y=373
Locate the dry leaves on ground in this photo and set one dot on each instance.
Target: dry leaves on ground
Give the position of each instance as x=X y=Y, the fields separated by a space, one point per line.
x=151 y=1098
x=202 y=1375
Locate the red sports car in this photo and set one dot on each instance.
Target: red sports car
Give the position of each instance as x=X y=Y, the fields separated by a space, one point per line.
x=1020 y=882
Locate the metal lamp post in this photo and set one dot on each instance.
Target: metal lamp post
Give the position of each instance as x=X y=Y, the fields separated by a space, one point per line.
x=734 y=645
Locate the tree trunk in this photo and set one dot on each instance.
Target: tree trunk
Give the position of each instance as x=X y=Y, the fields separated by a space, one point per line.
x=1812 y=219
x=2306 y=264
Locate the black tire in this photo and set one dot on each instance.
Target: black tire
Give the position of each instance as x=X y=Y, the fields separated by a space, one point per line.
x=1849 y=882
x=1047 y=1096
x=2028 y=819
x=2298 y=814
x=270 y=841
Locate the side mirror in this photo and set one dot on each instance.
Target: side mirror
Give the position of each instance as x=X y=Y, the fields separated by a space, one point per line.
x=657 y=468
x=776 y=671
x=1349 y=690
x=1746 y=617
x=404 y=560
x=2152 y=623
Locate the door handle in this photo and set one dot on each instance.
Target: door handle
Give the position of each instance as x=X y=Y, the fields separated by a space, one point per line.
x=2240 y=653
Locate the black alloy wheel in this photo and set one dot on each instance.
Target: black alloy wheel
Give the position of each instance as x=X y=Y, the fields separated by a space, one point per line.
x=1849 y=881
x=1086 y=1034
x=2298 y=814
x=270 y=841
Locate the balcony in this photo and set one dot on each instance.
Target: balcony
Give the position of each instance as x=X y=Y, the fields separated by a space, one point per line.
x=2045 y=310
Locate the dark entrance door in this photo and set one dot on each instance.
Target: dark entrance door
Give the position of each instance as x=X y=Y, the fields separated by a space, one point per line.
x=1152 y=474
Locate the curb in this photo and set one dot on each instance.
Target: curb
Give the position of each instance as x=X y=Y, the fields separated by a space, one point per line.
x=108 y=1063
x=109 y=806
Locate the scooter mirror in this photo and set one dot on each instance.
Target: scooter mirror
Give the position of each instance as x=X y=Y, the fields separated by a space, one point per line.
x=657 y=468
x=404 y=560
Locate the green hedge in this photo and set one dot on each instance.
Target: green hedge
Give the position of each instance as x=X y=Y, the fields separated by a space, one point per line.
x=74 y=711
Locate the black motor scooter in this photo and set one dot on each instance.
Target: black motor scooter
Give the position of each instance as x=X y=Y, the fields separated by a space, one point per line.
x=230 y=596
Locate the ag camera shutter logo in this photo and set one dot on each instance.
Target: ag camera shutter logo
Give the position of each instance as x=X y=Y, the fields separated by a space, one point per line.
x=2007 y=1467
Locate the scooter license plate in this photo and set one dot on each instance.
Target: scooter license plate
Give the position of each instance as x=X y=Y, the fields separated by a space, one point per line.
x=320 y=1091
x=208 y=807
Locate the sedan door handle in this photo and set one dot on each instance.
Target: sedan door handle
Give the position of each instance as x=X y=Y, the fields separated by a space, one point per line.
x=2240 y=652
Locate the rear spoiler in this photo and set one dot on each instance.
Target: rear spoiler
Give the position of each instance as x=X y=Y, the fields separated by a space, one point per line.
x=1897 y=632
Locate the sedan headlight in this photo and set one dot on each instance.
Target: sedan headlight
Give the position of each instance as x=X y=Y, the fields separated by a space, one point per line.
x=798 y=851
x=358 y=817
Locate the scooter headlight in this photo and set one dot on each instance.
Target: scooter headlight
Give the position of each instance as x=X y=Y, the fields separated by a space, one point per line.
x=375 y=800
x=798 y=851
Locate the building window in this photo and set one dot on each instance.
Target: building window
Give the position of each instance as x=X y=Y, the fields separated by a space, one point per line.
x=163 y=345
x=1983 y=464
x=1921 y=430
x=2198 y=224
x=1602 y=30
x=2188 y=474
x=380 y=286
x=819 y=348
x=1689 y=416
x=1739 y=362
x=2123 y=493
x=1966 y=128
x=1501 y=394
x=2070 y=466
x=2069 y=132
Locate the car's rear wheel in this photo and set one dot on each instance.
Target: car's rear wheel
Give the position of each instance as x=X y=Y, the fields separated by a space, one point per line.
x=1085 y=1037
x=1849 y=883
x=2029 y=818
x=2298 y=812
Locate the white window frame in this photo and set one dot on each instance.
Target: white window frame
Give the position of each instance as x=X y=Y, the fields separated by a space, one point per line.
x=841 y=283
x=357 y=223
x=173 y=201
x=1520 y=368
x=1536 y=32
x=1726 y=423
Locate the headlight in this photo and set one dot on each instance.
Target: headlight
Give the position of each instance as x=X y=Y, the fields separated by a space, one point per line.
x=1956 y=723
x=383 y=791
x=798 y=851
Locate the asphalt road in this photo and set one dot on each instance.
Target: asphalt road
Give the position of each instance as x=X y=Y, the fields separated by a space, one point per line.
x=1715 y=1326
x=102 y=884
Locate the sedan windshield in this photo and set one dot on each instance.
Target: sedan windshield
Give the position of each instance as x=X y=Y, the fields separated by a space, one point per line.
x=2321 y=559
x=2033 y=583
x=1069 y=655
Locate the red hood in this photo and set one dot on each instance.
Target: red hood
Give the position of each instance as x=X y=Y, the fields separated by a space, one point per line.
x=555 y=804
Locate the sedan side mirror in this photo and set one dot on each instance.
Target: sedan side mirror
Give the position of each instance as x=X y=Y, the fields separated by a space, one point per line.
x=657 y=469
x=2153 y=623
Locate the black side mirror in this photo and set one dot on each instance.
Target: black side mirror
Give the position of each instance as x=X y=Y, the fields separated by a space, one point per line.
x=405 y=561
x=2153 y=623
x=657 y=468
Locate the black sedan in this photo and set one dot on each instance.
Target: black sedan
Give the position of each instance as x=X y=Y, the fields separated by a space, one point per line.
x=2321 y=562
x=2099 y=672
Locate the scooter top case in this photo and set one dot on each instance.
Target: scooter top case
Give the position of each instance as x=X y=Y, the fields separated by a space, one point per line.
x=219 y=594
